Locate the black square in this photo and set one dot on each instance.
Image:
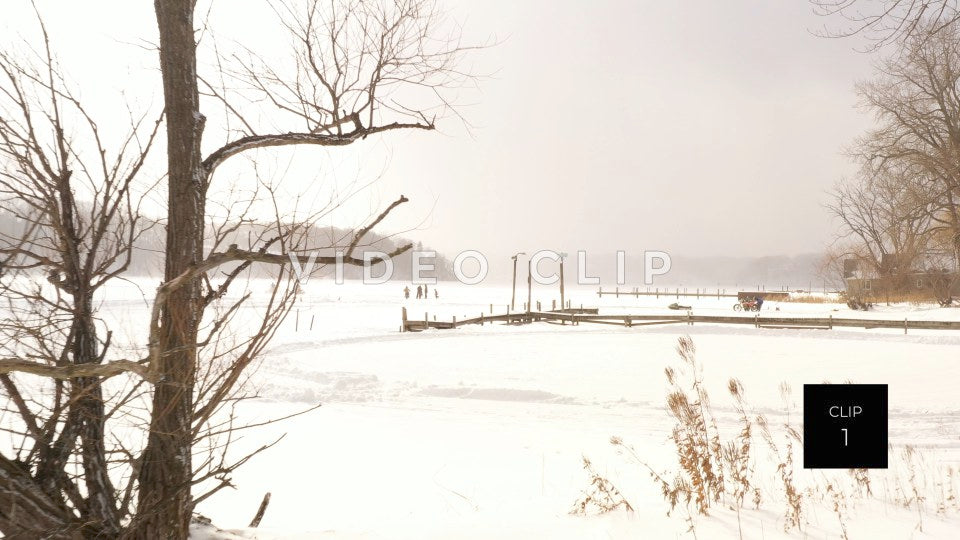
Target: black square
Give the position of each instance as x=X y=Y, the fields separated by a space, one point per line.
x=844 y=426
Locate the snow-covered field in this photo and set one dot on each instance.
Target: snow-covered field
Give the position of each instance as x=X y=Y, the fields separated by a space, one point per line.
x=480 y=431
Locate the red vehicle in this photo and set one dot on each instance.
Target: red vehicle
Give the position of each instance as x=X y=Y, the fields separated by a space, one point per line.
x=747 y=305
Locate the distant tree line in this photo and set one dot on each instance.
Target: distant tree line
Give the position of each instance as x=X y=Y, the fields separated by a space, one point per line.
x=148 y=245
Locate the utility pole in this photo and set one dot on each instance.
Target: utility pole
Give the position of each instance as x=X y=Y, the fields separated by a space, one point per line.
x=513 y=297
x=563 y=304
x=529 y=285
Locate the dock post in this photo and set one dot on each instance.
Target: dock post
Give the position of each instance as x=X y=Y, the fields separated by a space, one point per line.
x=904 y=326
x=831 y=321
x=454 y=322
x=554 y=305
x=403 y=315
x=312 y=315
x=600 y=291
x=616 y=292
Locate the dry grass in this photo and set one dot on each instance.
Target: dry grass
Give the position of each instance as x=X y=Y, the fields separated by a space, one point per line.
x=909 y=297
x=601 y=497
x=711 y=470
x=813 y=299
x=916 y=298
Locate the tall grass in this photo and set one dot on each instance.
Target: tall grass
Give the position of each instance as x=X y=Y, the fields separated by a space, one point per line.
x=711 y=470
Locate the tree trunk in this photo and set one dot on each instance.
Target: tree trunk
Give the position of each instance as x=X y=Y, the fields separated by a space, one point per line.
x=25 y=510
x=86 y=416
x=100 y=515
x=164 y=506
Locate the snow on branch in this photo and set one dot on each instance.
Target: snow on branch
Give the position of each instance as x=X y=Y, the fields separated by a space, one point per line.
x=72 y=371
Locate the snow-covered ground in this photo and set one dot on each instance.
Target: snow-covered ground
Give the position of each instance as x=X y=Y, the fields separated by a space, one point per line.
x=480 y=431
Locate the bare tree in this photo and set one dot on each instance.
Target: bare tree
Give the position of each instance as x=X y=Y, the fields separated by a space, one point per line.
x=902 y=211
x=888 y=223
x=358 y=68
x=887 y=21
x=75 y=206
x=353 y=61
x=916 y=104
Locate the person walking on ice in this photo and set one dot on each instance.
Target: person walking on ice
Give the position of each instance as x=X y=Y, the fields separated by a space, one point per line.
x=419 y=292
x=406 y=292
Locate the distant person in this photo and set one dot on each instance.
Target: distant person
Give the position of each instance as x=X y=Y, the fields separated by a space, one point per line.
x=759 y=302
x=419 y=292
x=426 y=291
x=435 y=293
x=406 y=292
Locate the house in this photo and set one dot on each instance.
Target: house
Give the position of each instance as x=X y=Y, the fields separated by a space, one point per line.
x=938 y=285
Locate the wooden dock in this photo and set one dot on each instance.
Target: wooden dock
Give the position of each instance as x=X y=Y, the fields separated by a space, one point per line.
x=577 y=316
x=678 y=292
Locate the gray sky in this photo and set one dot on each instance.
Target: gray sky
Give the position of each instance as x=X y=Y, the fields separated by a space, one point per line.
x=691 y=127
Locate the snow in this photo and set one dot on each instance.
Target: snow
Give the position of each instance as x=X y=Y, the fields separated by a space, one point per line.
x=480 y=431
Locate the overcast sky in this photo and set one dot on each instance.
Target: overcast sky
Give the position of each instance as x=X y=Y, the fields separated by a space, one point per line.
x=696 y=127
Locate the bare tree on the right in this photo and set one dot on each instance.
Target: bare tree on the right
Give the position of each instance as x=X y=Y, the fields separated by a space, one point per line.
x=905 y=207
x=883 y=22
